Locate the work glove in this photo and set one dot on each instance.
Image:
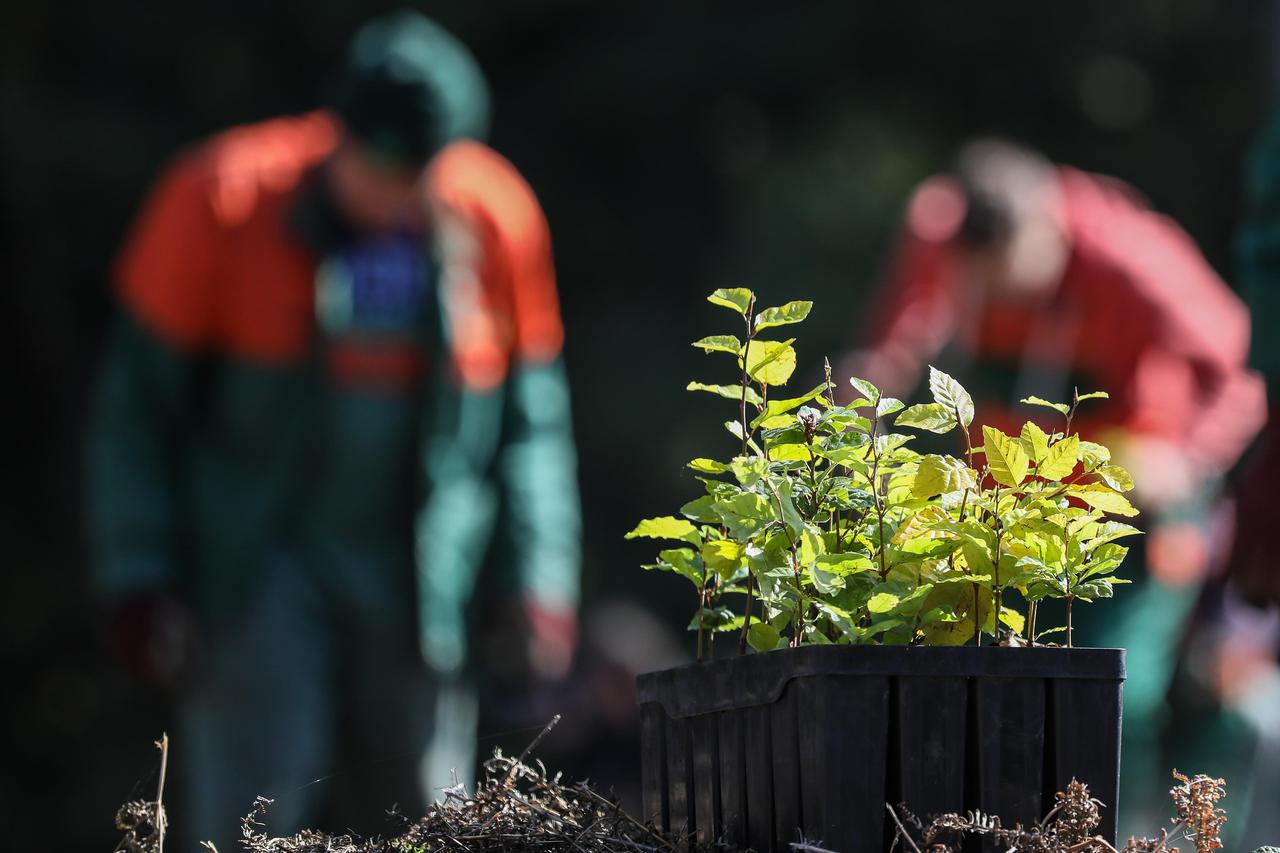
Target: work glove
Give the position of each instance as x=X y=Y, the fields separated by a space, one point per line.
x=152 y=635
x=553 y=639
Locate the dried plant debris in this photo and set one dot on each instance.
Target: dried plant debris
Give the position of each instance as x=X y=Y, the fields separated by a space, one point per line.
x=517 y=807
x=137 y=820
x=1070 y=825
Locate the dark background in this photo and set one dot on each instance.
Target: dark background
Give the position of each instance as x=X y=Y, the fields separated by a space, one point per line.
x=676 y=146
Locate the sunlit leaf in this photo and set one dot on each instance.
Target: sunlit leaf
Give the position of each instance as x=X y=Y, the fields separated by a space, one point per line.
x=720 y=343
x=928 y=416
x=1060 y=460
x=792 y=312
x=938 y=474
x=1061 y=408
x=770 y=362
x=666 y=527
x=1005 y=457
x=736 y=298
x=1034 y=441
x=707 y=466
x=729 y=392
x=950 y=394
x=1101 y=497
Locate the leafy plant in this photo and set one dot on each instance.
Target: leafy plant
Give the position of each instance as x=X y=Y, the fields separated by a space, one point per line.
x=825 y=526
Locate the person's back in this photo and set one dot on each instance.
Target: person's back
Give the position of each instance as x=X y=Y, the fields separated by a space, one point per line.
x=1026 y=279
x=340 y=340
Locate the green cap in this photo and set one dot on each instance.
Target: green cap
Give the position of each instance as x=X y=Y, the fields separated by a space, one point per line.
x=408 y=88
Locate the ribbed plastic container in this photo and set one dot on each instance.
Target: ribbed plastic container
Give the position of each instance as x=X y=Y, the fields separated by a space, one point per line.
x=762 y=749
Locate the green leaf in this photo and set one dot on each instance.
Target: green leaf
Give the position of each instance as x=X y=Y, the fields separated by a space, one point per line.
x=744 y=514
x=735 y=430
x=845 y=564
x=1093 y=455
x=882 y=602
x=680 y=561
x=748 y=470
x=701 y=510
x=770 y=362
x=1005 y=457
x=1100 y=497
x=938 y=474
x=866 y=389
x=1034 y=441
x=1013 y=619
x=929 y=416
x=1093 y=395
x=729 y=392
x=763 y=637
x=723 y=556
x=1061 y=459
x=778 y=407
x=950 y=394
x=707 y=466
x=1061 y=408
x=887 y=406
x=1116 y=477
x=737 y=298
x=792 y=312
x=720 y=343
x=666 y=527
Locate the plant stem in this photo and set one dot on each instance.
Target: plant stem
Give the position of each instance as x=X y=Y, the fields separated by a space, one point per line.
x=746 y=622
x=875 y=493
x=1031 y=621
x=746 y=377
x=1070 y=598
x=163 y=746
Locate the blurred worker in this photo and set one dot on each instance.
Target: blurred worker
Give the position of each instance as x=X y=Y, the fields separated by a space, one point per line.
x=1024 y=278
x=1249 y=674
x=338 y=355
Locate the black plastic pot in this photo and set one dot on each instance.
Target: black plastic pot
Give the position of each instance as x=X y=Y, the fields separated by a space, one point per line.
x=759 y=750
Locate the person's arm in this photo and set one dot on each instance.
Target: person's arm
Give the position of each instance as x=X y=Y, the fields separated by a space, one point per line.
x=506 y=429
x=163 y=281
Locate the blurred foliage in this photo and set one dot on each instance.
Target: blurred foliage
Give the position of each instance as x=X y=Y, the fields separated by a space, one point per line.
x=677 y=147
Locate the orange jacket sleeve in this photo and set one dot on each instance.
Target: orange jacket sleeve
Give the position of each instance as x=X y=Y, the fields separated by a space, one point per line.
x=165 y=273
x=502 y=297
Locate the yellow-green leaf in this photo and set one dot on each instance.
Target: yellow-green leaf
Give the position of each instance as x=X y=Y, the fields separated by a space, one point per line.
x=931 y=416
x=1101 y=497
x=792 y=312
x=1061 y=459
x=723 y=556
x=1116 y=477
x=1061 y=408
x=1013 y=619
x=1093 y=455
x=736 y=298
x=770 y=362
x=1005 y=457
x=882 y=602
x=708 y=466
x=729 y=392
x=665 y=527
x=1034 y=441
x=720 y=343
x=939 y=474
